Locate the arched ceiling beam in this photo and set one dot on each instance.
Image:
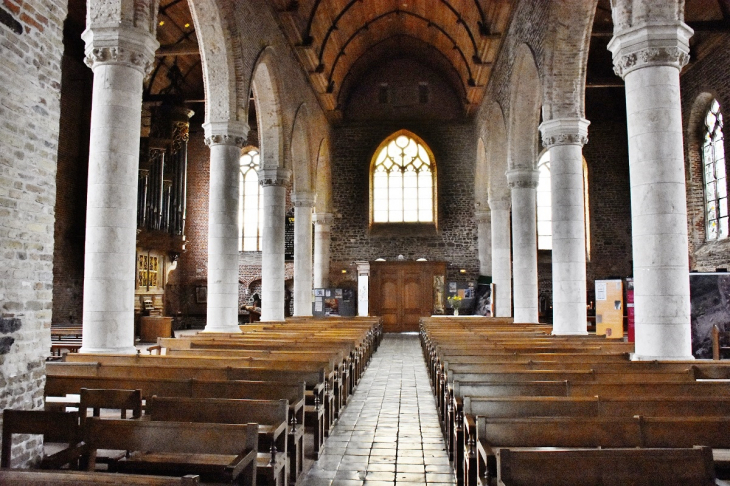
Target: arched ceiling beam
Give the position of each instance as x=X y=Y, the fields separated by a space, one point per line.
x=444 y=65
x=330 y=83
x=333 y=27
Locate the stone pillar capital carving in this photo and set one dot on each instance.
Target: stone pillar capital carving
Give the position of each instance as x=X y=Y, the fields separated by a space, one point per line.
x=564 y=131
x=523 y=178
x=323 y=219
x=499 y=204
x=650 y=45
x=483 y=216
x=226 y=133
x=274 y=176
x=303 y=199
x=122 y=33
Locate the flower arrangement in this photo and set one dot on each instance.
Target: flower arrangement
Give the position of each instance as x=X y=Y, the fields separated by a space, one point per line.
x=455 y=301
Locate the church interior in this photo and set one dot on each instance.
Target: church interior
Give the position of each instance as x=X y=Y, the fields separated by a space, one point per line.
x=206 y=203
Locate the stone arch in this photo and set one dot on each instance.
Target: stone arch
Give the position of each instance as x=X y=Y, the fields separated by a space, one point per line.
x=481 y=178
x=301 y=152
x=323 y=179
x=496 y=154
x=566 y=58
x=525 y=103
x=219 y=52
x=268 y=110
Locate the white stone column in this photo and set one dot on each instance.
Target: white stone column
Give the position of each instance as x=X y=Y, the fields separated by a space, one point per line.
x=273 y=181
x=501 y=257
x=225 y=140
x=303 y=204
x=322 y=228
x=565 y=139
x=120 y=53
x=523 y=183
x=484 y=241
x=363 y=288
x=649 y=58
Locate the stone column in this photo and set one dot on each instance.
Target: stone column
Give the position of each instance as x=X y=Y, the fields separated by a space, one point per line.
x=363 y=288
x=501 y=259
x=649 y=58
x=225 y=140
x=565 y=138
x=273 y=181
x=322 y=228
x=120 y=49
x=523 y=183
x=484 y=238
x=303 y=204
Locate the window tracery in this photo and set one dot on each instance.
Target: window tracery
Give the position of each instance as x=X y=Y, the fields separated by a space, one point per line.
x=250 y=198
x=713 y=159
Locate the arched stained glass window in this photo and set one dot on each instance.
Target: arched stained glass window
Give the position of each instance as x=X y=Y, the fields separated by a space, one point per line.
x=713 y=158
x=402 y=174
x=250 y=199
x=545 y=210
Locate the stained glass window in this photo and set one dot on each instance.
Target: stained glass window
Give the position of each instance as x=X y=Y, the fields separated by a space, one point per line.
x=403 y=182
x=250 y=198
x=713 y=158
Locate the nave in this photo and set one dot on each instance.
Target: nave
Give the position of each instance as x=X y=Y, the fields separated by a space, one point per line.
x=389 y=433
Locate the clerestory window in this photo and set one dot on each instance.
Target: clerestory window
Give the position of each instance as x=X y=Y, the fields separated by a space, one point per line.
x=403 y=178
x=250 y=199
x=713 y=159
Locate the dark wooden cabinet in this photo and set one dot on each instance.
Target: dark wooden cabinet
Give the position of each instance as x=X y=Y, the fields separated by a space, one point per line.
x=402 y=292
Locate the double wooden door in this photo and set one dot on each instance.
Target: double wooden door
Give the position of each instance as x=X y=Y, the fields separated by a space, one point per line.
x=403 y=292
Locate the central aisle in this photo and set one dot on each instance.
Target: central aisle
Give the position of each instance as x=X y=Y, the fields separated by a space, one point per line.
x=389 y=433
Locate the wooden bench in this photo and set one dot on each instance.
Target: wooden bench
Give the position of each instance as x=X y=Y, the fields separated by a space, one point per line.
x=56 y=427
x=271 y=415
x=214 y=451
x=605 y=467
x=25 y=477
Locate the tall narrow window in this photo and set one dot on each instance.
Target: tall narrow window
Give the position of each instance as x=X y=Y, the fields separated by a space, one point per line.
x=713 y=158
x=403 y=181
x=250 y=197
x=545 y=210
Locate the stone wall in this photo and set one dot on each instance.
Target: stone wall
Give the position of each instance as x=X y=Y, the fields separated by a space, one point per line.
x=701 y=82
x=454 y=151
x=30 y=89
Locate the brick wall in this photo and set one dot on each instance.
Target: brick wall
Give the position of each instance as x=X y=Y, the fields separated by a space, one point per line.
x=701 y=82
x=30 y=89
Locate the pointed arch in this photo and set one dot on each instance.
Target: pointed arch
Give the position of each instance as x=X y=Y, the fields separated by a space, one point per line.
x=481 y=178
x=524 y=111
x=403 y=181
x=268 y=110
x=496 y=154
x=301 y=152
x=323 y=178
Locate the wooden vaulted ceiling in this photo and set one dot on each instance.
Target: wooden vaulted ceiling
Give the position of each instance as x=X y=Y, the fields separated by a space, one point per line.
x=331 y=37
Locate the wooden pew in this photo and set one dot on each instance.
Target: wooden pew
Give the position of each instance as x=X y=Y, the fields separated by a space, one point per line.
x=605 y=467
x=25 y=477
x=55 y=427
x=216 y=451
x=271 y=415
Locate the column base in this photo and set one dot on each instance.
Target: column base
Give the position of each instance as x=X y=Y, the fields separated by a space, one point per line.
x=636 y=357
x=124 y=350
x=581 y=333
x=223 y=329
x=303 y=315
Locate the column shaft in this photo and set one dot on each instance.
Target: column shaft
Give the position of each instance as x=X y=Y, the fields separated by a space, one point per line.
x=524 y=227
x=322 y=229
x=484 y=241
x=501 y=259
x=273 y=268
x=303 y=203
x=223 y=231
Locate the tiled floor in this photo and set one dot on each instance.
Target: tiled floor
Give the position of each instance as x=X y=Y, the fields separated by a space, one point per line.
x=389 y=433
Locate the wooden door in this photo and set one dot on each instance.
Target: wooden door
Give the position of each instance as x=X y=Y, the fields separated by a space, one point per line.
x=402 y=292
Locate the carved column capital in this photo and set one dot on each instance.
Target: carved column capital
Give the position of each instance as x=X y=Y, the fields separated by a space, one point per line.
x=303 y=199
x=122 y=33
x=564 y=131
x=523 y=178
x=482 y=216
x=499 y=204
x=231 y=132
x=274 y=176
x=650 y=45
x=323 y=219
